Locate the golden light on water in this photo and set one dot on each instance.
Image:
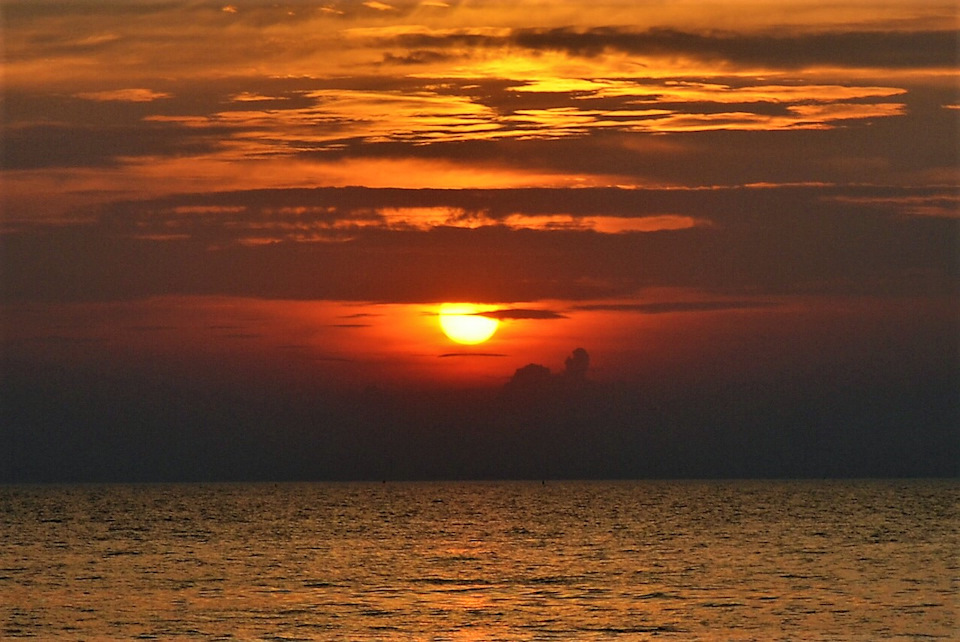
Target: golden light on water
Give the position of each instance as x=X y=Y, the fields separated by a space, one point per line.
x=464 y=323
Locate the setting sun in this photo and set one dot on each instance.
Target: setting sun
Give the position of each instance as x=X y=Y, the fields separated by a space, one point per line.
x=465 y=323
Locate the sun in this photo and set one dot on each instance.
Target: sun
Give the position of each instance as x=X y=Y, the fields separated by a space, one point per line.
x=464 y=323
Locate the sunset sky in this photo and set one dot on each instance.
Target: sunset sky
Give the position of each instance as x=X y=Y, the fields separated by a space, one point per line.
x=228 y=231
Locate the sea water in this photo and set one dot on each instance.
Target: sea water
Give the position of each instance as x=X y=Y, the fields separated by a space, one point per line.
x=801 y=560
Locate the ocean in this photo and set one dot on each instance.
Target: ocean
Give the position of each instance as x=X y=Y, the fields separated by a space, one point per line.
x=560 y=560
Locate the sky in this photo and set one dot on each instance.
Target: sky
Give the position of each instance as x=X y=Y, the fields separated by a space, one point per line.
x=710 y=239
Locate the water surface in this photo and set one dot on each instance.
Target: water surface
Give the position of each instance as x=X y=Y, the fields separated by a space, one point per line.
x=866 y=560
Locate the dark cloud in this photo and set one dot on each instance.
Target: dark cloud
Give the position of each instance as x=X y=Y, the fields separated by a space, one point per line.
x=57 y=145
x=531 y=375
x=887 y=49
x=533 y=385
x=763 y=240
x=522 y=313
x=418 y=57
x=676 y=306
x=332 y=204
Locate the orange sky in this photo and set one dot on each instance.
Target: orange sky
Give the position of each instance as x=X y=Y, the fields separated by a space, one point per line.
x=208 y=96
x=295 y=188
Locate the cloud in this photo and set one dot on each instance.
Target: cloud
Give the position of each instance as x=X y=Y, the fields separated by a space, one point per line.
x=378 y=6
x=883 y=49
x=251 y=97
x=534 y=389
x=137 y=95
x=765 y=240
x=53 y=145
x=485 y=126
x=256 y=118
x=332 y=205
x=515 y=314
x=675 y=306
x=938 y=203
x=418 y=57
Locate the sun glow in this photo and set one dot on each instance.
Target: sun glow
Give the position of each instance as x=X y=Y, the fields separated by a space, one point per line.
x=464 y=323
